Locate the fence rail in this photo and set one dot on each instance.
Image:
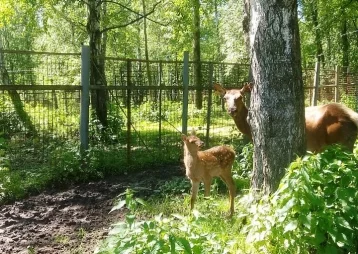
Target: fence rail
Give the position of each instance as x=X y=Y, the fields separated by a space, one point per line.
x=40 y=106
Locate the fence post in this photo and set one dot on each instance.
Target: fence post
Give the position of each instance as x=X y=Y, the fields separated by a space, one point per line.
x=160 y=102
x=210 y=102
x=185 y=92
x=316 y=84
x=336 y=81
x=85 y=80
x=129 y=111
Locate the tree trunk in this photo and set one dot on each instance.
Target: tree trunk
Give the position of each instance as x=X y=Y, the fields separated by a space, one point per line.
x=345 y=51
x=149 y=76
x=219 y=56
x=276 y=114
x=345 y=41
x=15 y=98
x=196 y=57
x=97 y=76
x=318 y=39
x=246 y=28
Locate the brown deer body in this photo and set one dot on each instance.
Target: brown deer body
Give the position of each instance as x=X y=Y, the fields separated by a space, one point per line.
x=328 y=124
x=202 y=166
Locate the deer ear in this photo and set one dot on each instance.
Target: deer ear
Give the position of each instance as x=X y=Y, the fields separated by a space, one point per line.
x=183 y=137
x=247 y=88
x=219 y=89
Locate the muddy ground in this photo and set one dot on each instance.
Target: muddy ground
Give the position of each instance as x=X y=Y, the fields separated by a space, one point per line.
x=73 y=220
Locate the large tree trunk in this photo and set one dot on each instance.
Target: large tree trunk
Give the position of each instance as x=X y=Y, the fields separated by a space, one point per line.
x=276 y=114
x=196 y=57
x=97 y=76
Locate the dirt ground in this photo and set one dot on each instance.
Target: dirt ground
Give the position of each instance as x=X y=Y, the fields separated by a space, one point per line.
x=74 y=220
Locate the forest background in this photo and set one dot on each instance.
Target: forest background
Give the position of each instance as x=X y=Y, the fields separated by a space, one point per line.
x=147 y=29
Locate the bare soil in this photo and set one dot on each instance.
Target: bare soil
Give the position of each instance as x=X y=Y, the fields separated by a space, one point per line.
x=76 y=219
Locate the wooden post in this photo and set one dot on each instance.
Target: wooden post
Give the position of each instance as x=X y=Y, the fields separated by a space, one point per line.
x=185 y=92
x=160 y=102
x=316 y=84
x=336 y=83
x=210 y=102
x=129 y=112
x=85 y=81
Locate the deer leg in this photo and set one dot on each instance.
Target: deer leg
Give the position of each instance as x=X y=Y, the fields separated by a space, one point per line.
x=229 y=181
x=194 y=193
x=207 y=185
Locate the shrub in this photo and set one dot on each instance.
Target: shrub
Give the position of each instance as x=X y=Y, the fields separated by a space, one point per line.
x=314 y=209
x=174 y=234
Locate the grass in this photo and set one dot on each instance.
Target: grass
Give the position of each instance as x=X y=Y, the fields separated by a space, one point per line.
x=294 y=219
x=164 y=224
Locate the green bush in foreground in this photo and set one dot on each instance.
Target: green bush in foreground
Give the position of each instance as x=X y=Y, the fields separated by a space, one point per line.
x=314 y=209
x=197 y=233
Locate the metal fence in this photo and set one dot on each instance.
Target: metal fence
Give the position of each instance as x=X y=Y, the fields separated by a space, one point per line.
x=40 y=95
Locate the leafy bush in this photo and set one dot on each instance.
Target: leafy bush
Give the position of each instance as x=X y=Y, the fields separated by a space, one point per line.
x=314 y=209
x=244 y=162
x=111 y=133
x=174 y=234
x=68 y=166
x=178 y=185
x=10 y=123
x=4 y=160
x=349 y=100
x=71 y=165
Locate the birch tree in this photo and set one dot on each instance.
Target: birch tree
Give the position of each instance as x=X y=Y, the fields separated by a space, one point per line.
x=276 y=114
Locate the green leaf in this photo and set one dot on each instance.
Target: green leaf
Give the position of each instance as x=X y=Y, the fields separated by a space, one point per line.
x=342 y=222
x=331 y=249
x=120 y=204
x=172 y=244
x=130 y=218
x=306 y=220
x=290 y=203
x=292 y=225
x=141 y=201
x=184 y=243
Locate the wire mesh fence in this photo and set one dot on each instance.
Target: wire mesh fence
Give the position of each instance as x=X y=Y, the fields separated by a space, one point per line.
x=40 y=107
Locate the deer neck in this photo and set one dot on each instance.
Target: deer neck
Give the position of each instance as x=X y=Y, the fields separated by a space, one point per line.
x=241 y=122
x=190 y=158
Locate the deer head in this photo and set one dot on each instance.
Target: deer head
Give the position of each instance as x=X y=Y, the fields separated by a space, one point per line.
x=233 y=98
x=192 y=142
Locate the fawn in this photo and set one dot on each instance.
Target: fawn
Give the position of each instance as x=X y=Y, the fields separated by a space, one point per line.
x=204 y=165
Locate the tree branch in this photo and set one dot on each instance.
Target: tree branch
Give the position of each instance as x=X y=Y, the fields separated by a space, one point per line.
x=78 y=24
x=84 y=2
x=137 y=13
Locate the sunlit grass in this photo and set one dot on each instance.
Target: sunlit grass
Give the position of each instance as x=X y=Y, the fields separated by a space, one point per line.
x=206 y=229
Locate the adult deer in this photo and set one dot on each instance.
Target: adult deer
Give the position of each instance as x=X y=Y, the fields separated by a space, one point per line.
x=328 y=124
x=202 y=166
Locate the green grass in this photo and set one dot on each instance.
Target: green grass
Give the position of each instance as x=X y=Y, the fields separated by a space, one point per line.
x=164 y=224
x=313 y=211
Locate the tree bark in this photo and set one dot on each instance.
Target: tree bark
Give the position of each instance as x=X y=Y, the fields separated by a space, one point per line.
x=97 y=76
x=196 y=55
x=317 y=33
x=149 y=76
x=345 y=50
x=345 y=41
x=15 y=98
x=246 y=28
x=276 y=113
